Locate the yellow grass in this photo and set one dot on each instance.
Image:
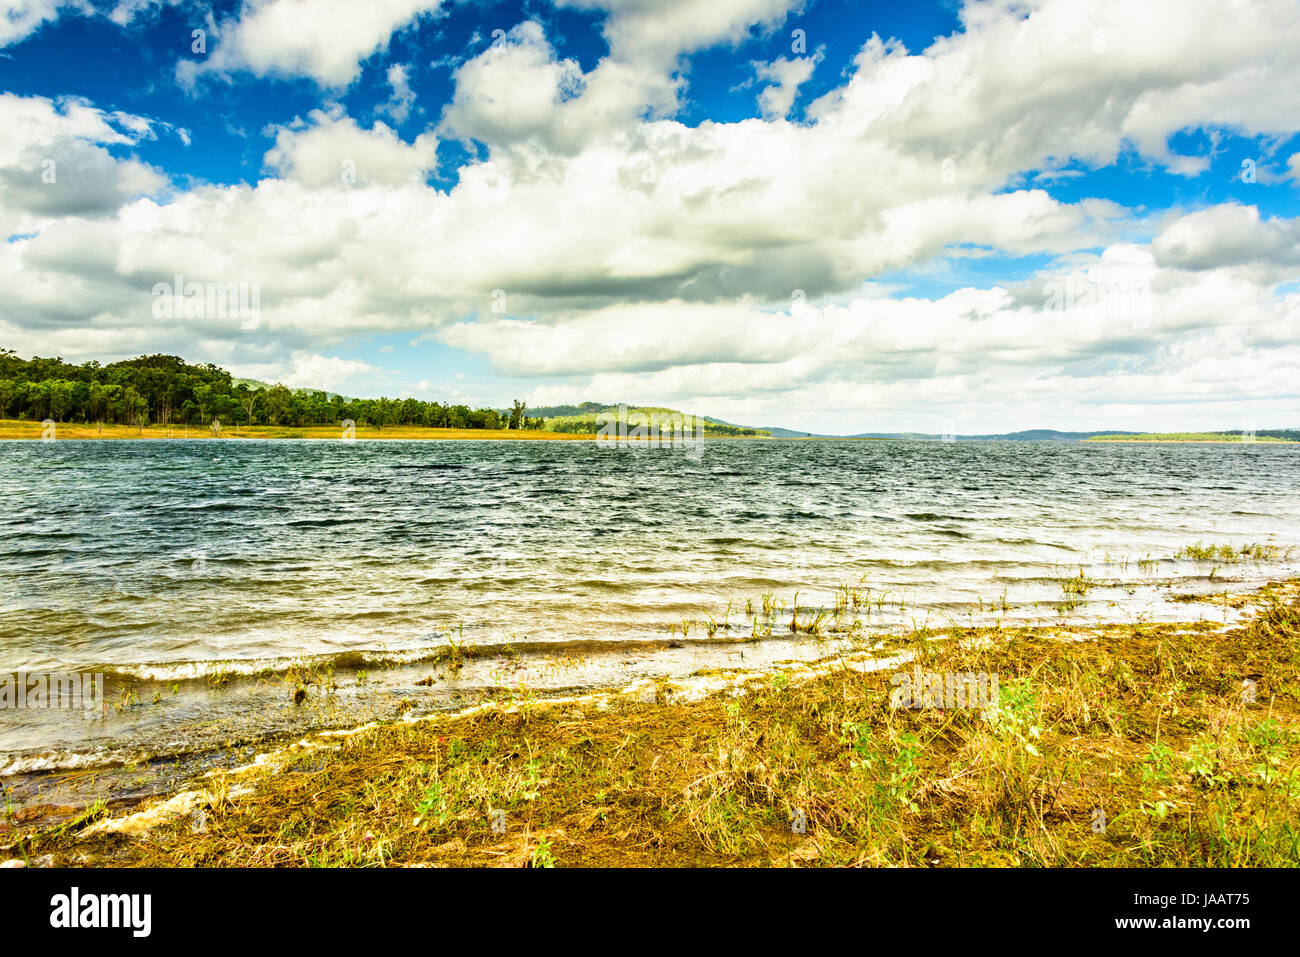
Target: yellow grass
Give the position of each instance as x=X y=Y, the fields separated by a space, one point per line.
x=1146 y=724
x=15 y=429
x=18 y=429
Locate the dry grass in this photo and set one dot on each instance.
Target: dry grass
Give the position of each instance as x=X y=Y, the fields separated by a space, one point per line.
x=1145 y=725
x=15 y=429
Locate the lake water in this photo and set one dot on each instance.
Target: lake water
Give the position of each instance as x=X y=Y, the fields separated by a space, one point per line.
x=560 y=565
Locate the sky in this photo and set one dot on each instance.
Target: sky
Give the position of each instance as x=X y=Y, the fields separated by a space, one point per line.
x=824 y=215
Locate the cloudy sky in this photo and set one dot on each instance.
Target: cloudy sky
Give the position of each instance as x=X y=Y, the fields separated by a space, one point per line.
x=835 y=215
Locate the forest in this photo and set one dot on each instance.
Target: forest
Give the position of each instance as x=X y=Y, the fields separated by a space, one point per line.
x=167 y=390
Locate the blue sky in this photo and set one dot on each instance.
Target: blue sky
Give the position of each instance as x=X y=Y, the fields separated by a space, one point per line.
x=830 y=215
x=130 y=68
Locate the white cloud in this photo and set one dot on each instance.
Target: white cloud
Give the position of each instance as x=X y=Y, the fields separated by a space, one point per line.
x=55 y=162
x=329 y=373
x=513 y=89
x=1025 y=84
x=653 y=260
x=127 y=10
x=19 y=19
x=325 y=40
x=399 y=104
x=657 y=31
x=518 y=90
x=784 y=77
x=1230 y=235
x=330 y=149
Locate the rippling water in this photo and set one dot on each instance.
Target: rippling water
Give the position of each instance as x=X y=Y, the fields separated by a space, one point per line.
x=564 y=564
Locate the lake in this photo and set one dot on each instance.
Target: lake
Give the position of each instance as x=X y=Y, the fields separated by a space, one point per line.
x=200 y=577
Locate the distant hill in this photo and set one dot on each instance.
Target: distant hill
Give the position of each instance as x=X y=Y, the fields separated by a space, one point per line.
x=249 y=383
x=584 y=418
x=584 y=408
x=256 y=384
x=1033 y=435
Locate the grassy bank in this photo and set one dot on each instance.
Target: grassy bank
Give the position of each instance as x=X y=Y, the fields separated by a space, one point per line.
x=21 y=429
x=16 y=429
x=1193 y=437
x=1120 y=745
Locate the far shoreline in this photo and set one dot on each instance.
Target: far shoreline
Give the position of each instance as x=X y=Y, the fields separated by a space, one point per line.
x=16 y=429
x=1140 y=441
x=25 y=430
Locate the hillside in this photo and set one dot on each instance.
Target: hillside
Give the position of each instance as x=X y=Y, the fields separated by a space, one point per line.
x=585 y=418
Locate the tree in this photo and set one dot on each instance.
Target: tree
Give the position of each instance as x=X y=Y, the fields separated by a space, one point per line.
x=277 y=404
x=247 y=399
x=172 y=389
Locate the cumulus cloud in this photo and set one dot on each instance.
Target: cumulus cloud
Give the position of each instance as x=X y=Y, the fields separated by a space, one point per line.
x=783 y=78
x=399 y=104
x=1027 y=84
x=1204 y=347
x=657 y=31
x=1230 y=235
x=513 y=89
x=518 y=90
x=329 y=373
x=19 y=19
x=55 y=161
x=602 y=240
x=324 y=40
x=330 y=149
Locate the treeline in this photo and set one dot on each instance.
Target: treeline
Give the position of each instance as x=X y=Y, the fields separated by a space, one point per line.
x=1291 y=435
x=167 y=390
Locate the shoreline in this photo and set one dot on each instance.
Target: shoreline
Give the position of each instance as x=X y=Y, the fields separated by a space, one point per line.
x=1264 y=441
x=1146 y=725
x=21 y=430
x=15 y=430
x=32 y=431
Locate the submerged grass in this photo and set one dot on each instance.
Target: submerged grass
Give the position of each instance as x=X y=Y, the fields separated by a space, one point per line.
x=1122 y=745
x=1229 y=553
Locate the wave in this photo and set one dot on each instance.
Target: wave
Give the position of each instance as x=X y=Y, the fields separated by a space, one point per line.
x=11 y=764
x=432 y=466
x=358 y=659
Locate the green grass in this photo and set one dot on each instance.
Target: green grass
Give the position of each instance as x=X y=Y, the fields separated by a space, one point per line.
x=1230 y=553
